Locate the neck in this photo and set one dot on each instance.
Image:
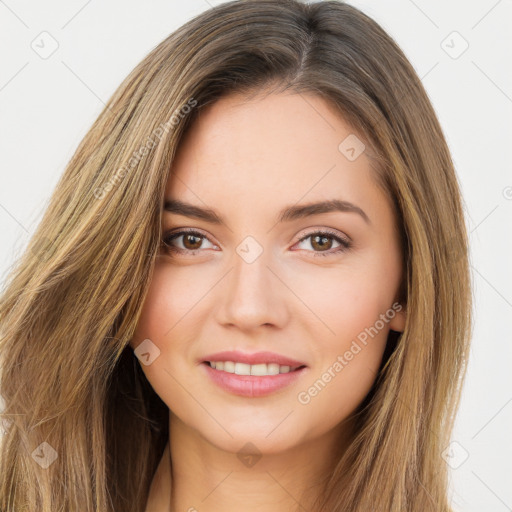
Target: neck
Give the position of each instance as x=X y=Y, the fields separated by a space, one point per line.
x=196 y=475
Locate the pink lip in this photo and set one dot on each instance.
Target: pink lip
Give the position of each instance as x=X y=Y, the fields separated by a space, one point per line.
x=251 y=385
x=256 y=358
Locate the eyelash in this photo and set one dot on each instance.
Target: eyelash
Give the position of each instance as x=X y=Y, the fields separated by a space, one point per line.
x=168 y=237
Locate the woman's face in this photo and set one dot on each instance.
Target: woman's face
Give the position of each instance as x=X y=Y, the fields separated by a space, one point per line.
x=250 y=281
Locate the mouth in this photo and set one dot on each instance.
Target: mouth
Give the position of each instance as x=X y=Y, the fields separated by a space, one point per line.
x=257 y=370
x=252 y=380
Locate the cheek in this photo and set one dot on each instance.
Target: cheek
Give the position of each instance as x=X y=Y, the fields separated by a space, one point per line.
x=169 y=300
x=158 y=321
x=348 y=304
x=350 y=339
x=171 y=318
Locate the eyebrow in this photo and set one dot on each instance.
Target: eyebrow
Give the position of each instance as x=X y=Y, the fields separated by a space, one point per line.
x=287 y=214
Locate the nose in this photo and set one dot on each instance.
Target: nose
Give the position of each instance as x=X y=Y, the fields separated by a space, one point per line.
x=253 y=295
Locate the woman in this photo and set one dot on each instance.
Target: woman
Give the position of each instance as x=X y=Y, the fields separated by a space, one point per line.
x=171 y=339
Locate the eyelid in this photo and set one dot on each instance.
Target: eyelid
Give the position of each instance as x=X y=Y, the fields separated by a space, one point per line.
x=344 y=241
x=322 y=229
x=176 y=233
x=305 y=232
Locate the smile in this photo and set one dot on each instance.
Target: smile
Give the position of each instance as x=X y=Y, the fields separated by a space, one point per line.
x=251 y=369
x=252 y=381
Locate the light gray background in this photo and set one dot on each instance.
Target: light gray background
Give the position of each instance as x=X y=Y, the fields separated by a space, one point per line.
x=48 y=104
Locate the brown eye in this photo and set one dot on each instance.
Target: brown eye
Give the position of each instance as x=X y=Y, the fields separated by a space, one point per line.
x=190 y=242
x=322 y=242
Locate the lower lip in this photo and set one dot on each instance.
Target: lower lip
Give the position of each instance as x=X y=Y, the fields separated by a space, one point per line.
x=252 y=385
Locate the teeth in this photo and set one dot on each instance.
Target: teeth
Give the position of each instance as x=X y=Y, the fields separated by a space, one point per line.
x=251 y=369
x=229 y=366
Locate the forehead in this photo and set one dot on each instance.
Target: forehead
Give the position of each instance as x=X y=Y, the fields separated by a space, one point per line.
x=268 y=151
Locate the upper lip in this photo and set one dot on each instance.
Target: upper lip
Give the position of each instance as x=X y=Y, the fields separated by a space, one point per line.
x=254 y=358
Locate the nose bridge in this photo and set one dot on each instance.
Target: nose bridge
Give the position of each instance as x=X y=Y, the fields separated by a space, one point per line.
x=251 y=298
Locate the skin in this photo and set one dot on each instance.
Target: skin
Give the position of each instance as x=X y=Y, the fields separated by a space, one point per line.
x=248 y=159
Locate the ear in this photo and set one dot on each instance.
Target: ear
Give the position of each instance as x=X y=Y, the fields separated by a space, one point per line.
x=397 y=323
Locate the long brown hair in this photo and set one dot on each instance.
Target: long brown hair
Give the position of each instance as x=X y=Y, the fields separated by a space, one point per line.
x=76 y=399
